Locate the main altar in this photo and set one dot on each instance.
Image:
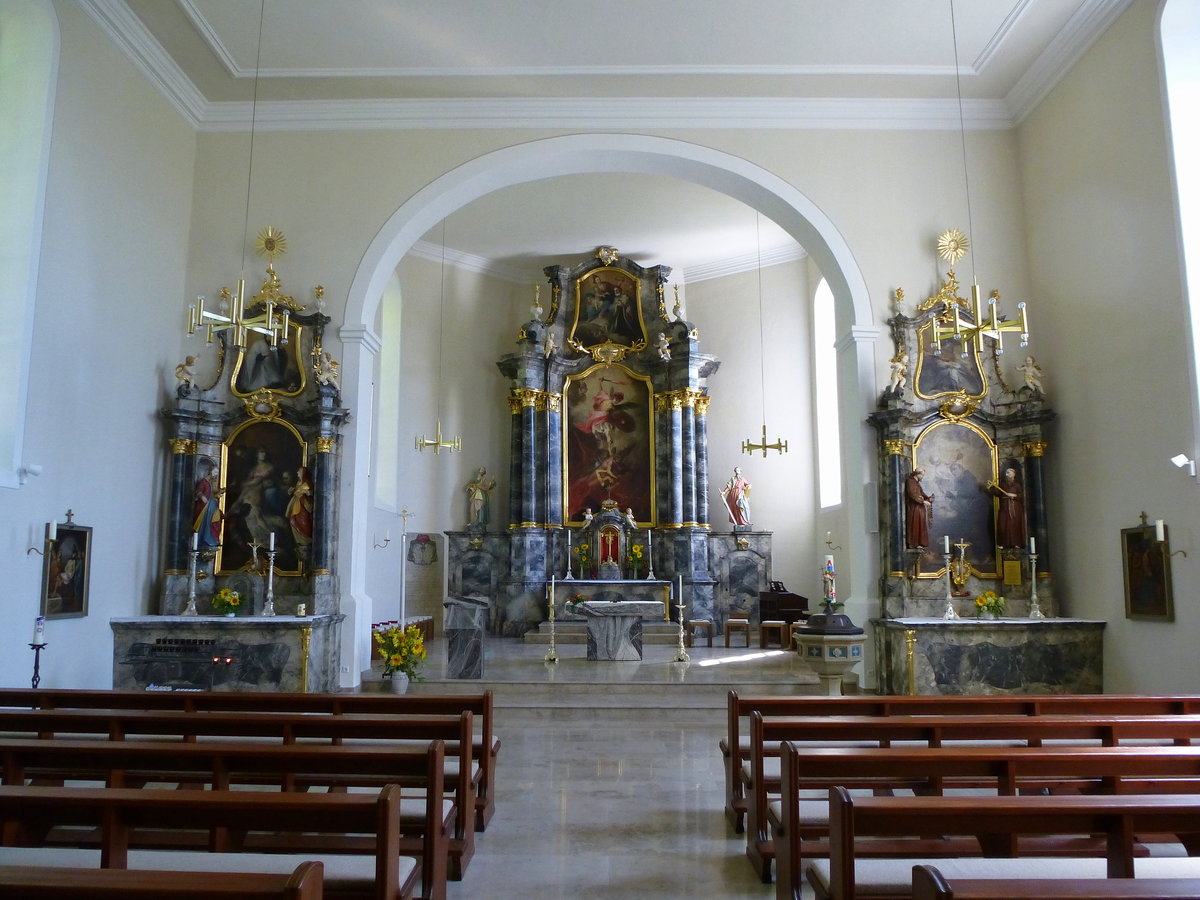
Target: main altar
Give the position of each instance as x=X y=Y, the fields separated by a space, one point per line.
x=608 y=462
x=963 y=509
x=251 y=473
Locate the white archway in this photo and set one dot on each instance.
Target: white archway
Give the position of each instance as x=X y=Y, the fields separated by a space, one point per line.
x=582 y=154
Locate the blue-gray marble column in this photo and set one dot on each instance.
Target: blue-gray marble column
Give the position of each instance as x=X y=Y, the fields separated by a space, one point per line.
x=687 y=425
x=701 y=440
x=1035 y=501
x=675 y=510
x=516 y=461
x=894 y=485
x=554 y=473
x=179 y=515
x=324 y=486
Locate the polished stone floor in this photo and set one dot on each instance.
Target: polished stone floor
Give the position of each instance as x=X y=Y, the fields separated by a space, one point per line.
x=610 y=782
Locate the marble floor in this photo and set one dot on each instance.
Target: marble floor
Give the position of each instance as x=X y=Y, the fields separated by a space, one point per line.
x=609 y=780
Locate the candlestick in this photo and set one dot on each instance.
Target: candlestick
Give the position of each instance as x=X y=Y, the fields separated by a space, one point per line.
x=269 y=605
x=552 y=654
x=949 y=613
x=682 y=655
x=193 y=561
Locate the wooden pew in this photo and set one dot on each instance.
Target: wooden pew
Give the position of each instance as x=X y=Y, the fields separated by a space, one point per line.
x=998 y=823
x=456 y=732
x=120 y=812
x=760 y=779
x=221 y=765
x=50 y=883
x=734 y=745
x=1112 y=770
x=930 y=884
x=487 y=746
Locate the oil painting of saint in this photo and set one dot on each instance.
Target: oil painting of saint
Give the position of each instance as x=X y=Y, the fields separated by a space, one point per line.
x=607 y=309
x=607 y=442
x=946 y=370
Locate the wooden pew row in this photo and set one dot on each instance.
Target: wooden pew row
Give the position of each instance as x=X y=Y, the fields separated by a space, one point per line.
x=1008 y=771
x=487 y=744
x=930 y=884
x=379 y=873
x=220 y=766
x=735 y=744
x=456 y=732
x=760 y=779
x=998 y=823
x=306 y=882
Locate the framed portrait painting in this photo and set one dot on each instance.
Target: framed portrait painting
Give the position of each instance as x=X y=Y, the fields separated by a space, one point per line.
x=608 y=308
x=66 y=571
x=1147 y=566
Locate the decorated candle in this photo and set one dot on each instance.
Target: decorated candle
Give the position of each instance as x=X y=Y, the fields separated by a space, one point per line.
x=39 y=630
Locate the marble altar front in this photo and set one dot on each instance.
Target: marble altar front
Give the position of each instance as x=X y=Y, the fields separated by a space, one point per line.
x=465 y=621
x=999 y=656
x=614 y=629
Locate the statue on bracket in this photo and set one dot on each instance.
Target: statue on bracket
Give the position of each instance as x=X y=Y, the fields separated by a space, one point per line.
x=736 y=495
x=479 y=491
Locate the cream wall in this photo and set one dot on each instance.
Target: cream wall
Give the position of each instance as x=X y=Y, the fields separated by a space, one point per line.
x=1111 y=330
x=1070 y=211
x=106 y=339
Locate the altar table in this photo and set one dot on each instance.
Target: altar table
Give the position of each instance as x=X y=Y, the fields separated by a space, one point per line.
x=614 y=630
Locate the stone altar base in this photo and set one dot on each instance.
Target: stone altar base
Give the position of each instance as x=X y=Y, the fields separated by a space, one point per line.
x=614 y=630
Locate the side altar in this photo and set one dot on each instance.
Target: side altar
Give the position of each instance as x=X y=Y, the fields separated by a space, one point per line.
x=608 y=461
x=249 y=596
x=964 y=518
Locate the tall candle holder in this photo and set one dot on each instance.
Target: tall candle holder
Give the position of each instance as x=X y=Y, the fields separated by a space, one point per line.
x=949 y=613
x=552 y=653
x=649 y=554
x=269 y=607
x=1035 y=608
x=193 y=563
x=37 y=664
x=682 y=655
x=570 y=548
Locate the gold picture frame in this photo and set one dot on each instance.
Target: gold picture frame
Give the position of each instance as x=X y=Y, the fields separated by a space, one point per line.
x=1146 y=564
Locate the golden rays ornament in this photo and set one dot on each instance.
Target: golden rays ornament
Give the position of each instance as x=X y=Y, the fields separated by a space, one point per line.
x=271 y=243
x=952 y=245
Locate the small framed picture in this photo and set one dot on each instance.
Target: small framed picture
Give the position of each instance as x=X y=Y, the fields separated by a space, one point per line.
x=66 y=572
x=1147 y=566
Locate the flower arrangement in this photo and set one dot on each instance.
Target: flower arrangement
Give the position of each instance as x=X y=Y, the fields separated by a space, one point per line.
x=227 y=601
x=584 y=557
x=577 y=598
x=989 y=602
x=634 y=557
x=403 y=650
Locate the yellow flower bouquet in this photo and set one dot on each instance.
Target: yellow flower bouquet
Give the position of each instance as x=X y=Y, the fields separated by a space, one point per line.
x=635 y=558
x=403 y=650
x=989 y=602
x=226 y=601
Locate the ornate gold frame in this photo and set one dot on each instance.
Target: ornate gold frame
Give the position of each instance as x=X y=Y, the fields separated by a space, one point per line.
x=295 y=354
x=614 y=353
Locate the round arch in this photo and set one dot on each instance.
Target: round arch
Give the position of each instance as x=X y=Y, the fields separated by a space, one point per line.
x=578 y=154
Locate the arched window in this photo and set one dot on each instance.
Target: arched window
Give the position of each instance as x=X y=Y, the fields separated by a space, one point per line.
x=387 y=418
x=1180 y=35
x=28 y=71
x=829 y=449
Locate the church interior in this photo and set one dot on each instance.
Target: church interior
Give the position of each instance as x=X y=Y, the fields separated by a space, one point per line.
x=413 y=313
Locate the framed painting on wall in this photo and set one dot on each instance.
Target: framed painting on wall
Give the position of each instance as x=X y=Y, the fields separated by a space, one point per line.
x=949 y=367
x=608 y=442
x=608 y=308
x=1147 y=566
x=66 y=572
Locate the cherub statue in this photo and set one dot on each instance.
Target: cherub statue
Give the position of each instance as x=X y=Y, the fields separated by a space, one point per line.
x=899 y=378
x=185 y=373
x=551 y=345
x=1033 y=375
x=587 y=516
x=629 y=517
x=664 y=345
x=328 y=370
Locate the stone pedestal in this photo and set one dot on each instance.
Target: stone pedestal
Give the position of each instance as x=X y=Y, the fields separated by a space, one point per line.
x=465 y=620
x=615 y=629
x=831 y=656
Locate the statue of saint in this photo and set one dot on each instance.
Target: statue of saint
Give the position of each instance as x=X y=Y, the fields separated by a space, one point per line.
x=479 y=491
x=1010 y=517
x=736 y=495
x=917 y=508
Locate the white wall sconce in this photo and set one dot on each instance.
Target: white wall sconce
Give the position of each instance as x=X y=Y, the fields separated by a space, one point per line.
x=1182 y=460
x=26 y=470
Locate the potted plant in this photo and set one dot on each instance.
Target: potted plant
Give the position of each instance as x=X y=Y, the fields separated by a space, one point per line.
x=403 y=651
x=989 y=605
x=227 y=602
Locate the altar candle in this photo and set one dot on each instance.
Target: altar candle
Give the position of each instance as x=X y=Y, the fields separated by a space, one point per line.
x=679 y=599
x=195 y=540
x=946 y=543
x=271 y=542
x=39 y=630
x=1160 y=531
x=551 y=590
x=1033 y=546
x=52 y=531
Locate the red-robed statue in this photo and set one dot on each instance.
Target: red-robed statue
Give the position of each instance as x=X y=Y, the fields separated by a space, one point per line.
x=917 y=507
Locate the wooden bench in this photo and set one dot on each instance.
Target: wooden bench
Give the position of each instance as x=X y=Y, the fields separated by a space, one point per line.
x=119 y=813
x=997 y=823
x=306 y=882
x=221 y=765
x=734 y=746
x=456 y=732
x=760 y=773
x=930 y=884
x=999 y=771
x=487 y=744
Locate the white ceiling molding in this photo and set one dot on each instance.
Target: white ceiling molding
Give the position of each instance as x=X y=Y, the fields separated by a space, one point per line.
x=747 y=262
x=470 y=262
x=1002 y=33
x=637 y=112
x=1083 y=29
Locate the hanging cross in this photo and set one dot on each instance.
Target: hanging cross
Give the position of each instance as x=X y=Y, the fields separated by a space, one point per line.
x=437 y=443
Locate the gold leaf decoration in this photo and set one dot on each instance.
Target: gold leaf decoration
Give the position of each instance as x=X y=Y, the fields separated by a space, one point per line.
x=952 y=245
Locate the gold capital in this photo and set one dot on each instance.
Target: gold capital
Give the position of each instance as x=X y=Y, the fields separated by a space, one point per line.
x=325 y=444
x=183 y=446
x=1035 y=448
x=893 y=447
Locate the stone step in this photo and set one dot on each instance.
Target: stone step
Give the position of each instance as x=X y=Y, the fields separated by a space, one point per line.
x=576 y=633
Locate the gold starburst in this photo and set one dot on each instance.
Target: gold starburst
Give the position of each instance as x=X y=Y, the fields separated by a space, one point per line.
x=952 y=245
x=270 y=243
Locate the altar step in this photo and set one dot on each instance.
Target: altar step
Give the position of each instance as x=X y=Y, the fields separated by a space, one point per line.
x=576 y=633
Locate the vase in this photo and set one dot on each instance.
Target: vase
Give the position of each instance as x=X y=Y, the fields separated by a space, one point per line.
x=986 y=614
x=397 y=682
x=230 y=615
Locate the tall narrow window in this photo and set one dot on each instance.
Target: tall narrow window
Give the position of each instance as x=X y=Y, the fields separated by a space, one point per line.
x=829 y=447
x=28 y=70
x=387 y=423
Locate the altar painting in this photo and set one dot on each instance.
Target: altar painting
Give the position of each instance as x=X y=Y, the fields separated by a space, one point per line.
x=608 y=308
x=959 y=460
x=259 y=366
x=945 y=369
x=608 y=443
x=267 y=490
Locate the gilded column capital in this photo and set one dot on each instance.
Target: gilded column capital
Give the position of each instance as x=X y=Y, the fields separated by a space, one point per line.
x=702 y=405
x=325 y=444
x=1034 y=448
x=181 y=446
x=894 y=447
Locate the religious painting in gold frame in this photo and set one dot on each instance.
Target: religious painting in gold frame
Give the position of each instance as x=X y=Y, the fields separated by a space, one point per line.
x=608 y=309
x=950 y=367
x=1146 y=563
x=608 y=442
x=959 y=460
x=267 y=489
x=281 y=369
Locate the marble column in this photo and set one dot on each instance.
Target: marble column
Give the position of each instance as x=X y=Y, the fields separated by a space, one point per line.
x=1035 y=501
x=701 y=442
x=179 y=515
x=675 y=414
x=324 y=485
x=687 y=427
x=895 y=498
x=554 y=472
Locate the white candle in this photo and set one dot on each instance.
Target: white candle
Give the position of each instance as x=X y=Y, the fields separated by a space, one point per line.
x=1160 y=530
x=946 y=543
x=271 y=542
x=551 y=590
x=53 y=531
x=679 y=599
x=1033 y=546
x=195 y=540
x=39 y=630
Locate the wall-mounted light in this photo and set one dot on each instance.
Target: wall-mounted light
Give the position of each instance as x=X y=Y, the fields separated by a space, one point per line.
x=1182 y=460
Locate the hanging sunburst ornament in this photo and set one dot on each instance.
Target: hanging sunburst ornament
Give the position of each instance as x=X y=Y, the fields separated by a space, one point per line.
x=952 y=245
x=271 y=243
